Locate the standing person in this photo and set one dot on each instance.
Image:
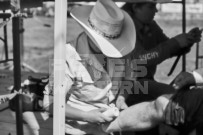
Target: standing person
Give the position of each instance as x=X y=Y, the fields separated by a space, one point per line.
x=152 y=48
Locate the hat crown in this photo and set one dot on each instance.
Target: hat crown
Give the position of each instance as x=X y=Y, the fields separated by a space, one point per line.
x=111 y=29
x=106 y=19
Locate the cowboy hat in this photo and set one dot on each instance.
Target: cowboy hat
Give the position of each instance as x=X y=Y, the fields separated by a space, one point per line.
x=111 y=28
x=152 y=1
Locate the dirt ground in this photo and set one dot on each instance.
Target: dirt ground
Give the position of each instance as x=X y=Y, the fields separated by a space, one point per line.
x=39 y=44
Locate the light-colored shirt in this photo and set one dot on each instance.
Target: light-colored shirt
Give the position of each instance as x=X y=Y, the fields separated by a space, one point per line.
x=87 y=93
x=93 y=87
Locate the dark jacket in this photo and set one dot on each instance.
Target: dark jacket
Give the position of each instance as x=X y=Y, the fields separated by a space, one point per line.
x=152 y=48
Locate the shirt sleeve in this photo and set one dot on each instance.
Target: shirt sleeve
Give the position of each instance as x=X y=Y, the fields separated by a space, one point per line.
x=163 y=49
x=158 y=54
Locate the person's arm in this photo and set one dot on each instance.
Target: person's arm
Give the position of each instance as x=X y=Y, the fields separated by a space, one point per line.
x=146 y=115
x=93 y=116
x=155 y=47
x=158 y=54
x=166 y=47
x=187 y=79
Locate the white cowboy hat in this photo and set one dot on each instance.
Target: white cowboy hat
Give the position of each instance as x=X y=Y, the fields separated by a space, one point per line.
x=111 y=28
x=152 y=1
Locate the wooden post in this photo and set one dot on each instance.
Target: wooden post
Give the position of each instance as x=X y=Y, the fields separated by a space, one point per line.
x=59 y=66
x=17 y=71
x=5 y=41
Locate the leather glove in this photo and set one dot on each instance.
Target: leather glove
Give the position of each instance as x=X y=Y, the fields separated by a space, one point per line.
x=183 y=80
x=184 y=40
x=187 y=39
x=196 y=34
x=174 y=114
x=182 y=51
x=35 y=85
x=28 y=103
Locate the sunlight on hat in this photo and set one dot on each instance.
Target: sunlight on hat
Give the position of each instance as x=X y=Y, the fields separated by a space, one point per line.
x=111 y=28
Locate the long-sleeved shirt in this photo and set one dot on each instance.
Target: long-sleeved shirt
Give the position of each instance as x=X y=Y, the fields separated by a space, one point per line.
x=152 y=46
x=93 y=86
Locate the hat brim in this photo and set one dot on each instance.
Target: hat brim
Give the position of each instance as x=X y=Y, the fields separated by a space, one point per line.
x=115 y=48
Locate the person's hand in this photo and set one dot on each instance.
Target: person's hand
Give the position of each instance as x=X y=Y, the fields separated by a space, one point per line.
x=121 y=104
x=174 y=114
x=184 y=79
x=185 y=40
x=97 y=116
x=196 y=33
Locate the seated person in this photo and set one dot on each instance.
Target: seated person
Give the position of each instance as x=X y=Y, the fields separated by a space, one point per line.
x=153 y=47
x=108 y=34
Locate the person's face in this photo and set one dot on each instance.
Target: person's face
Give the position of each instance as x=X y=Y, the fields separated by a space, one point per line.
x=146 y=12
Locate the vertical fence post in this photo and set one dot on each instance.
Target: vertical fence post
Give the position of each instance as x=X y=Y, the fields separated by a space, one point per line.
x=60 y=24
x=16 y=24
x=5 y=40
x=184 y=29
